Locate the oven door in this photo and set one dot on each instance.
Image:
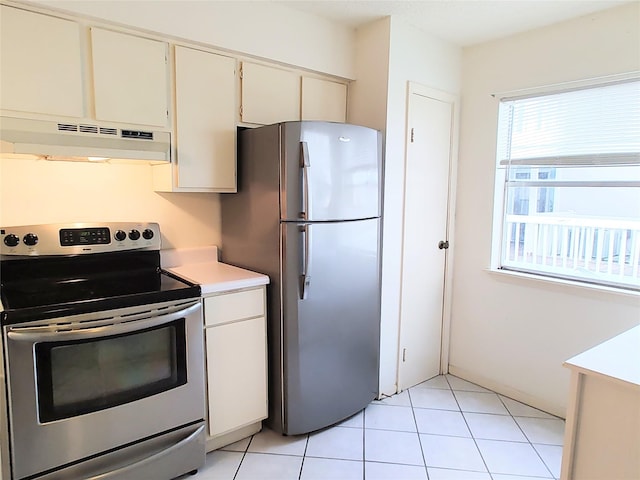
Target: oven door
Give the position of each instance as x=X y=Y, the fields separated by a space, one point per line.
x=84 y=385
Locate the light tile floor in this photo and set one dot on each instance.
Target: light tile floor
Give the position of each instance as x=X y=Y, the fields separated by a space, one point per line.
x=443 y=429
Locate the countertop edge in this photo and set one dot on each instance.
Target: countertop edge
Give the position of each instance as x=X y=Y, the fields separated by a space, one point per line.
x=617 y=359
x=216 y=277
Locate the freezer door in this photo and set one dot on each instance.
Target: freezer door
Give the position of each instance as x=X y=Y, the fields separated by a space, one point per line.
x=332 y=171
x=331 y=322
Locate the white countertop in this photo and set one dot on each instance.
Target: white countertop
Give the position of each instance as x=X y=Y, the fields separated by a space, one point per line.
x=200 y=265
x=617 y=358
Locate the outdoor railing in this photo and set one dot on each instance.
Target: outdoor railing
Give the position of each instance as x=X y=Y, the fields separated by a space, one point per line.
x=600 y=250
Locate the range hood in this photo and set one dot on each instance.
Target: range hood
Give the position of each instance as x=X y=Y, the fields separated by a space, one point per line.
x=81 y=141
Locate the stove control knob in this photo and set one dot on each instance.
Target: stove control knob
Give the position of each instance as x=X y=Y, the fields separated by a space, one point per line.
x=134 y=235
x=120 y=235
x=147 y=234
x=11 y=240
x=30 y=239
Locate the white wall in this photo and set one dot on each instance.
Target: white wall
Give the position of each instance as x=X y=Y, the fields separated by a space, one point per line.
x=368 y=107
x=257 y=28
x=379 y=100
x=513 y=334
x=421 y=58
x=41 y=191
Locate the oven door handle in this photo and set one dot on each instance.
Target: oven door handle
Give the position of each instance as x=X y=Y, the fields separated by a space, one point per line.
x=52 y=333
x=123 y=471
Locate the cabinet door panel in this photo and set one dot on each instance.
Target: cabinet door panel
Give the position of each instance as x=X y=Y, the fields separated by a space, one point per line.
x=236 y=375
x=41 y=64
x=269 y=95
x=205 y=120
x=323 y=100
x=130 y=78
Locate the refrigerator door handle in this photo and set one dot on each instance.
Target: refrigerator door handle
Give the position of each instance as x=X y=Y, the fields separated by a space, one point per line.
x=304 y=165
x=306 y=254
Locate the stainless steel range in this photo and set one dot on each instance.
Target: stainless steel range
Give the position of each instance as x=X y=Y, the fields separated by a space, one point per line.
x=103 y=374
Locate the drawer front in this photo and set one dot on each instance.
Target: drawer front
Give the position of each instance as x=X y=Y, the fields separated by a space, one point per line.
x=234 y=306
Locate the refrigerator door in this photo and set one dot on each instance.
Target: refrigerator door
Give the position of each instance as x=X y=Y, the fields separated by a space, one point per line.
x=331 y=322
x=332 y=171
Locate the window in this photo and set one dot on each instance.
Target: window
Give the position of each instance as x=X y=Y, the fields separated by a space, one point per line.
x=78 y=377
x=568 y=185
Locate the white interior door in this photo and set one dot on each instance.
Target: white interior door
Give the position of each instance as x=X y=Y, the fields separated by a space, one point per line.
x=426 y=205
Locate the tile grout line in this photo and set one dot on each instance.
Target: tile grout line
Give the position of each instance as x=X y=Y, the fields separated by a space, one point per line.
x=244 y=454
x=475 y=442
x=364 y=444
x=527 y=437
x=413 y=414
x=304 y=456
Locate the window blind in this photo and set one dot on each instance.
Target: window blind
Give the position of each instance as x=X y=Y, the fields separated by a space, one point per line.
x=591 y=126
x=568 y=178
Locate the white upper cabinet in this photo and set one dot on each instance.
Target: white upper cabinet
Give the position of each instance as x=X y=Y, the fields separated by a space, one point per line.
x=205 y=120
x=323 y=100
x=41 y=64
x=130 y=78
x=269 y=95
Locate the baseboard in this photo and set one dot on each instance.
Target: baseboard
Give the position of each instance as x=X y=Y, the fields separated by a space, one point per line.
x=223 y=440
x=507 y=391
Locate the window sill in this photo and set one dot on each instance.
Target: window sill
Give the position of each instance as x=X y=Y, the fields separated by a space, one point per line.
x=580 y=287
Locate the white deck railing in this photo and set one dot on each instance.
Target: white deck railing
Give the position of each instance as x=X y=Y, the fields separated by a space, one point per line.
x=601 y=250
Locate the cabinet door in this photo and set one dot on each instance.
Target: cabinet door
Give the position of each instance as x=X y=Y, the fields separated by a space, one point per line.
x=129 y=78
x=269 y=95
x=236 y=374
x=205 y=120
x=323 y=100
x=41 y=64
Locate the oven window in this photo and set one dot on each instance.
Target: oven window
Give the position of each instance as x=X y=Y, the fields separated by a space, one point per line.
x=84 y=376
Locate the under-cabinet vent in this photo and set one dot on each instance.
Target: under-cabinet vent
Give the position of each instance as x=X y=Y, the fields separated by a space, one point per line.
x=60 y=141
x=138 y=134
x=88 y=129
x=67 y=127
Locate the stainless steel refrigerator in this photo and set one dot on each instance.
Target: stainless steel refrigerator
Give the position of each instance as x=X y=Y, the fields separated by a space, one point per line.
x=307 y=213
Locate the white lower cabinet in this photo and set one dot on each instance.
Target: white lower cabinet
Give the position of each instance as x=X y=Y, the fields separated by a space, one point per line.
x=236 y=358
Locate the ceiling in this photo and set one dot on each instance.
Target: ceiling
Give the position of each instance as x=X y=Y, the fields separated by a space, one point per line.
x=462 y=22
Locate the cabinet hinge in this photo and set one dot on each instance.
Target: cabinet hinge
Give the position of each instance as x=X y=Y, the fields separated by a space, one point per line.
x=241 y=73
x=411 y=134
x=404 y=354
x=241 y=111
